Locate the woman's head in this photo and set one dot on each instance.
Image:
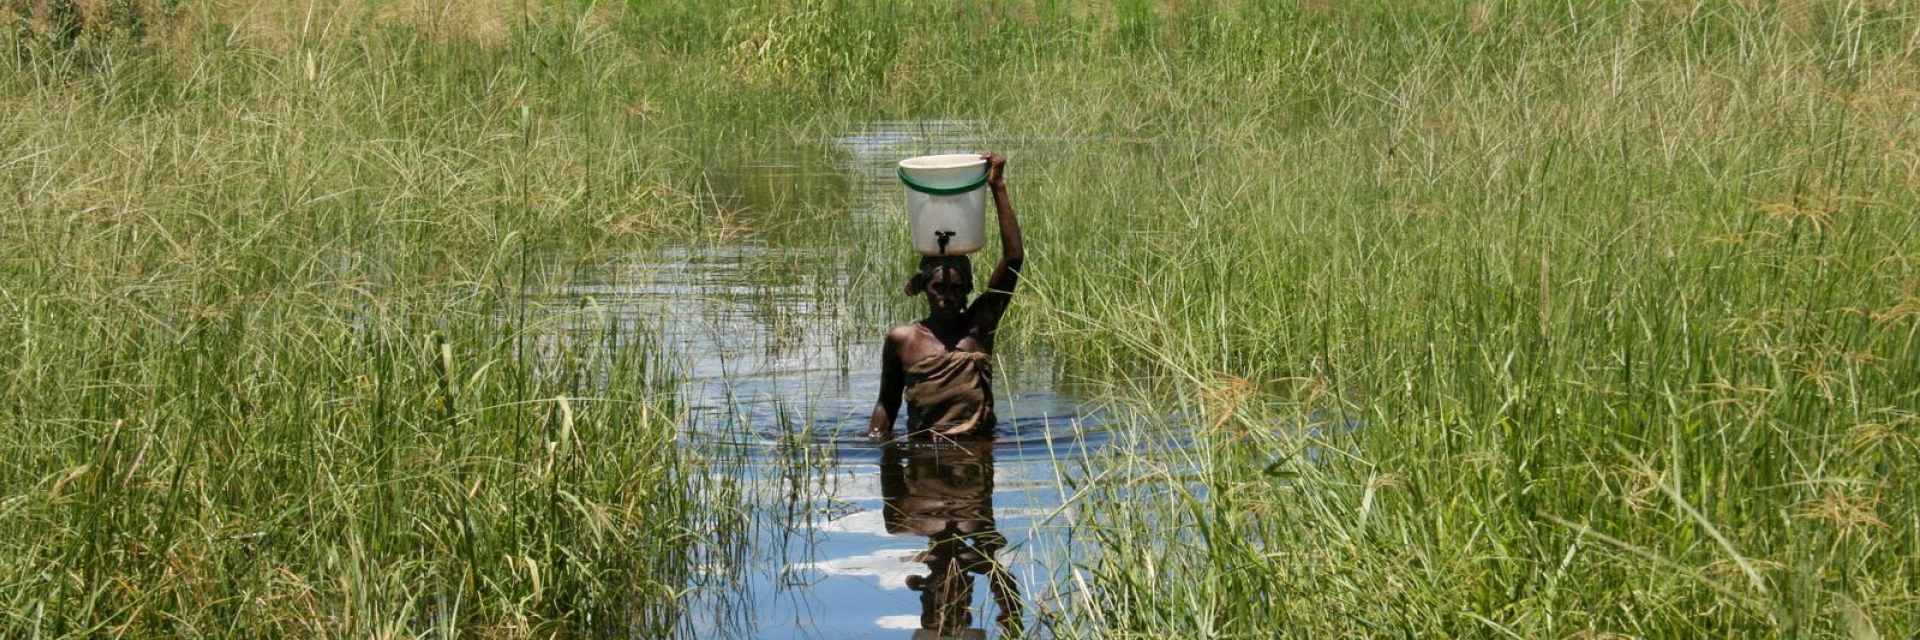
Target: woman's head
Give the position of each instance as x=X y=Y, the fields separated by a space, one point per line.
x=947 y=281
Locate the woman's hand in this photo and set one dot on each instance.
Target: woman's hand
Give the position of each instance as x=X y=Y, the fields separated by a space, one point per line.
x=996 y=165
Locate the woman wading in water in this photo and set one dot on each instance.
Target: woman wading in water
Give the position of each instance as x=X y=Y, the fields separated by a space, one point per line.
x=942 y=364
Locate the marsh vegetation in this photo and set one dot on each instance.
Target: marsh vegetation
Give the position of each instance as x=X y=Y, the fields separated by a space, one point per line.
x=1475 y=318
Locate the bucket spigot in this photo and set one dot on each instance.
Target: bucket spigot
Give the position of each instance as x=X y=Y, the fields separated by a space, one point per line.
x=942 y=237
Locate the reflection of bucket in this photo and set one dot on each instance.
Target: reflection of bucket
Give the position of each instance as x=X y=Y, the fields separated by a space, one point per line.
x=946 y=207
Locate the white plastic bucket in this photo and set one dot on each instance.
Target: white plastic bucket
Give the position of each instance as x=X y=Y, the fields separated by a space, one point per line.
x=946 y=204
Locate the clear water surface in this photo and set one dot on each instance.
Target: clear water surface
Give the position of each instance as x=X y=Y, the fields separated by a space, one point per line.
x=778 y=373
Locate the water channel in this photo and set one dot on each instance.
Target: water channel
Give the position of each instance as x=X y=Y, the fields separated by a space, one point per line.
x=777 y=350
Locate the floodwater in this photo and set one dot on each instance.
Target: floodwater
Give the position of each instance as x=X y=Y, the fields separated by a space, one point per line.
x=777 y=352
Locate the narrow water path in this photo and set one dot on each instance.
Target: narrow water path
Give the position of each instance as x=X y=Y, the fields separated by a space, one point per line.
x=777 y=349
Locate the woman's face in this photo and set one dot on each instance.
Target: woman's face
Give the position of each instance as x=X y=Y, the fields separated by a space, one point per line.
x=947 y=292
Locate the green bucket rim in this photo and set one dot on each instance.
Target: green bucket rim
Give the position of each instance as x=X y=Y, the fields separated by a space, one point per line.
x=940 y=191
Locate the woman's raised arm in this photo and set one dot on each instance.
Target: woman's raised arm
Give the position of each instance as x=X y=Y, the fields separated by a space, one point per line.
x=991 y=304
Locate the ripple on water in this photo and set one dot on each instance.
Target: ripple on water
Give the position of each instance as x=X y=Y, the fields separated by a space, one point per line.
x=777 y=377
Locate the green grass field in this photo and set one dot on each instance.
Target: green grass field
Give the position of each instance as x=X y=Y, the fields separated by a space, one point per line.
x=1619 y=299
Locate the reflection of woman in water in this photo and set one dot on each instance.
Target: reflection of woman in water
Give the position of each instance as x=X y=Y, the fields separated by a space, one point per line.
x=940 y=364
x=945 y=492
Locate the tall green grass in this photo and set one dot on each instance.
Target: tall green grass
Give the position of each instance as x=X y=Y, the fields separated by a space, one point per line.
x=283 y=352
x=1618 y=297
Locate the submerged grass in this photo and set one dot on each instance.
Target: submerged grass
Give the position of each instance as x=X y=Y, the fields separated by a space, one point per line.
x=1601 y=313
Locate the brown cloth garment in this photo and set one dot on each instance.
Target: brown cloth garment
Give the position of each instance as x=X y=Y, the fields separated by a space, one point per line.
x=950 y=395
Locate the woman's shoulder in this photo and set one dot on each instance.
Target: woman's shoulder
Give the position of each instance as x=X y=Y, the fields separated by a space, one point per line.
x=902 y=338
x=903 y=333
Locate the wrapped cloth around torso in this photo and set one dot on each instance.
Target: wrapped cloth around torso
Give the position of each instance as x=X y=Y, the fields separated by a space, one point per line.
x=950 y=395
